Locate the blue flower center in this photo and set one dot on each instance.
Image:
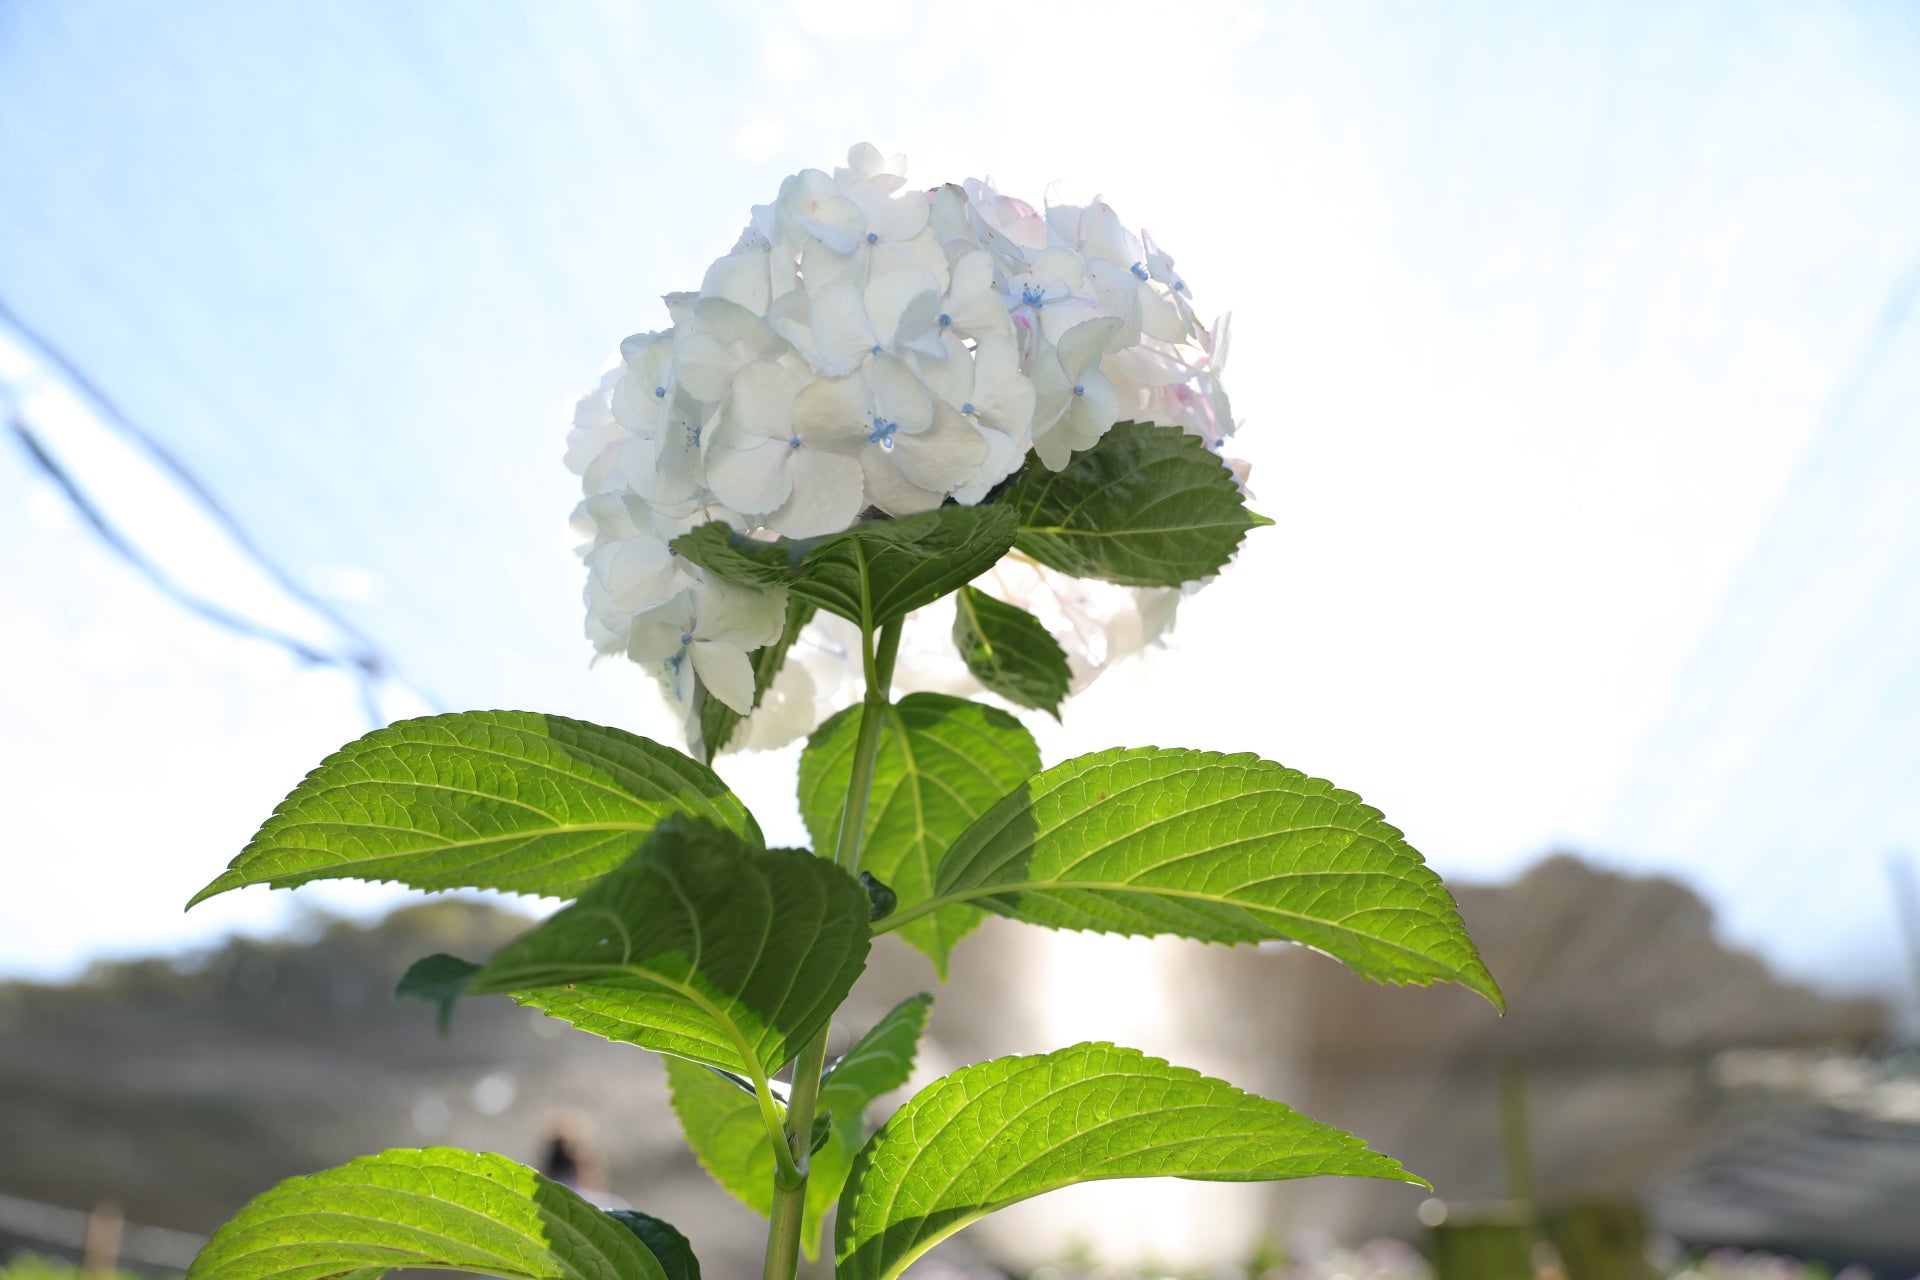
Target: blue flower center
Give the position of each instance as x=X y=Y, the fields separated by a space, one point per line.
x=945 y=319
x=1139 y=269
x=686 y=637
x=1032 y=297
x=967 y=407
x=659 y=392
x=876 y=348
x=882 y=433
x=872 y=238
x=1079 y=390
x=793 y=442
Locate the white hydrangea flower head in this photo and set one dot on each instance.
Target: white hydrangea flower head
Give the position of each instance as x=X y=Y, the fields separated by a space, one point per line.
x=868 y=346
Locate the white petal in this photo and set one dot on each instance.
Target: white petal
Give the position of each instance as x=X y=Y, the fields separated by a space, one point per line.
x=950 y=375
x=1004 y=456
x=740 y=277
x=923 y=251
x=842 y=334
x=748 y=472
x=821 y=266
x=1083 y=344
x=739 y=615
x=638 y=572
x=892 y=492
x=705 y=366
x=890 y=217
x=1051 y=391
x=902 y=303
x=761 y=399
x=1118 y=290
x=1095 y=408
x=974 y=304
x=1159 y=318
x=1102 y=236
x=828 y=492
x=900 y=397
x=834 y=413
x=942 y=456
x=1002 y=397
x=656 y=634
x=726 y=672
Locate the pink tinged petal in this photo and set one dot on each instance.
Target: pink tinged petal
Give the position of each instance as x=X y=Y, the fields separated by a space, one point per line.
x=726 y=672
x=828 y=492
x=761 y=401
x=892 y=492
x=834 y=413
x=748 y=472
x=944 y=455
x=742 y=278
x=656 y=634
x=842 y=333
x=1002 y=398
x=951 y=376
x=1083 y=344
x=899 y=397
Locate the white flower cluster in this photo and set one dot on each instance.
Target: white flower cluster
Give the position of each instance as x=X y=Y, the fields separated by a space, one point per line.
x=864 y=346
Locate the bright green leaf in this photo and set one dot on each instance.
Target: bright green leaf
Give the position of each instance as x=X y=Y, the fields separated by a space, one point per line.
x=1008 y=651
x=439 y=1209
x=1003 y=1131
x=889 y=567
x=480 y=800
x=673 y=1251
x=700 y=945
x=724 y=1129
x=1215 y=847
x=718 y=720
x=942 y=762
x=439 y=980
x=1146 y=507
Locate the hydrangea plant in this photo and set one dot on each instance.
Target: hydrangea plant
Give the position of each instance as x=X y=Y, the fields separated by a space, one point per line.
x=884 y=406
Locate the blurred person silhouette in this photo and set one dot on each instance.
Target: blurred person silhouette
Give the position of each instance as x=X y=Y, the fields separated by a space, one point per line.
x=572 y=1161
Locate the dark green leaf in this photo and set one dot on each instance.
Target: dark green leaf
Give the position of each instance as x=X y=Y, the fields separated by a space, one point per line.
x=724 y=1128
x=669 y=1248
x=481 y=800
x=1008 y=651
x=1003 y=1131
x=942 y=762
x=887 y=567
x=700 y=945
x=718 y=720
x=1146 y=507
x=439 y=1209
x=1215 y=847
x=439 y=980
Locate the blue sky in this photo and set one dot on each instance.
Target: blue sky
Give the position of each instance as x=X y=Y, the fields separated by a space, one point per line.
x=1576 y=348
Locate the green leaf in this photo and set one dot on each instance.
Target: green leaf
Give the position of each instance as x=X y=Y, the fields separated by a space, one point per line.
x=440 y=1209
x=717 y=719
x=700 y=945
x=439 y=980
x=1008 y=651
x=872 y=573
x=1003 y=1131
x=724 y=1129
x=480 y=800
x=1215 y=847
x=669 y=1248
x=942 y=762
x=1146 y=507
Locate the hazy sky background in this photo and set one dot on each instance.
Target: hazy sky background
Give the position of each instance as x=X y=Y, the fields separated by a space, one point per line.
x=1575 y=345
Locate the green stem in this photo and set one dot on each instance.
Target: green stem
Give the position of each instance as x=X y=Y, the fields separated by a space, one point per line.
x=790 y=1179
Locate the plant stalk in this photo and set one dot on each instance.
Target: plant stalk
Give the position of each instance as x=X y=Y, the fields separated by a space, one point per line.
x=790 y=1190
